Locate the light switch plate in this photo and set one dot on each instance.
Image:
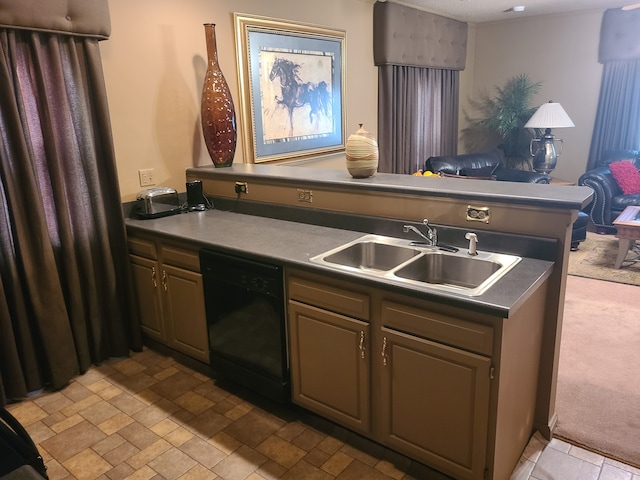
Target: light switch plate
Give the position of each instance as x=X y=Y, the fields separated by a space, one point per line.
x=147 y=177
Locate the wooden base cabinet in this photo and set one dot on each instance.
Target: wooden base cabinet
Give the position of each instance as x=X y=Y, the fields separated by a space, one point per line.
x=329 y=350
x=170 y=295
x=435 y=401
x=145 y=275
x=448 y=387
x=331 y=364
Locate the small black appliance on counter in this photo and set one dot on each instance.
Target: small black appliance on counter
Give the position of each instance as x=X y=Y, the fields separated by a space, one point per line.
x=195 y=196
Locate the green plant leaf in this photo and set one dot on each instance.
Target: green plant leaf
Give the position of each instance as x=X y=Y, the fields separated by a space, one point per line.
x=499 y=119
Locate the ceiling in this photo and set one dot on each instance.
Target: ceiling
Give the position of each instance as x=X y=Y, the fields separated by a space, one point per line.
x=478 y=11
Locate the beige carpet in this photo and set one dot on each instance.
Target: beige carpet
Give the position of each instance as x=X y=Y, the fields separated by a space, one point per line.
x=595 y=258
x=598 y=398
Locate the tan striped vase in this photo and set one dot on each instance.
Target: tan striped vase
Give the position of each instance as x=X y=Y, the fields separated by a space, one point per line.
x=362 y=154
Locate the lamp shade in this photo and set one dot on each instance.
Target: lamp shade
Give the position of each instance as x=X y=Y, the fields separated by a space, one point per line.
x=549 y=115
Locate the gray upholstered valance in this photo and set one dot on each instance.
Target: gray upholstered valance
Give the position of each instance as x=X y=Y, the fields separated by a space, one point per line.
x=619 y=35
x=407 y=36
x=72 y=17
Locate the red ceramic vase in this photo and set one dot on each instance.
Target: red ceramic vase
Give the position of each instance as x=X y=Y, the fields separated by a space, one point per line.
x=217 y=111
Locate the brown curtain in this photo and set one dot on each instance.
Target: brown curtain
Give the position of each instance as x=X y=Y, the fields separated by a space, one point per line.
x=64 y=276
x=419 y=56
x=417 y=116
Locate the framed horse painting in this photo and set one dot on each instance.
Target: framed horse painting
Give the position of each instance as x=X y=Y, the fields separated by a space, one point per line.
x=291 y=80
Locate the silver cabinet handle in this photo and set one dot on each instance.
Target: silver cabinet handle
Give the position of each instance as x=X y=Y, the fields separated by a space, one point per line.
x=164 y=280
x=384 y=351
x=361 y=346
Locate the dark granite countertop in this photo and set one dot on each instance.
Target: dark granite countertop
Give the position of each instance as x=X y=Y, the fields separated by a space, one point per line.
x=293 y=244
x=548 y=196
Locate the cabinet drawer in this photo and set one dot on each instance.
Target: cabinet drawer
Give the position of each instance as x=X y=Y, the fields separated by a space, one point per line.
x=352 y=304
x=436 y=326
x=143 y=248
x=179 y=257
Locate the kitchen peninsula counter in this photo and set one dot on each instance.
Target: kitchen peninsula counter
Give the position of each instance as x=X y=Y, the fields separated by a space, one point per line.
x=293 y=244
x=287 y=215
x=527 y=210
x=539 y=195
x=480 y=341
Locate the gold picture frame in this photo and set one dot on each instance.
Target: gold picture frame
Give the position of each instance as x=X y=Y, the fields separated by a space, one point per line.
x=291 y=80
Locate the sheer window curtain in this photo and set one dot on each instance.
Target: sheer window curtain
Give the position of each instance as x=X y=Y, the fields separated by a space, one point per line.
x=65 y=296
x=417 y=116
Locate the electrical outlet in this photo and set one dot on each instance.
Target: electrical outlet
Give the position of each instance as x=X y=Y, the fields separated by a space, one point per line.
x=478 y=214
x=305 y=195
x=241 y=187
x=147 y=177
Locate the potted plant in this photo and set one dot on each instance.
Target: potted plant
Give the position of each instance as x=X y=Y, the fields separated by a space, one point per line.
x=500 y=121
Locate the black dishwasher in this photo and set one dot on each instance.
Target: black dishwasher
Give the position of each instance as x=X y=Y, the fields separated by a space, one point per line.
x=245 y=310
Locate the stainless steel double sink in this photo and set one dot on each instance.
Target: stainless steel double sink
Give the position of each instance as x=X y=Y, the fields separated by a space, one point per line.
x=398 y=261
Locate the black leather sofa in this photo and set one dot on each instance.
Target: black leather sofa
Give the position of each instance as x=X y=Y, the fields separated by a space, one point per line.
x=608 y=199
x=482 y=165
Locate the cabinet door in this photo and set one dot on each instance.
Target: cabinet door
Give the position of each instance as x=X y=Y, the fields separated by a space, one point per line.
x=435 y=403
x=330 y=364
x=184 y=312
x=146 y=279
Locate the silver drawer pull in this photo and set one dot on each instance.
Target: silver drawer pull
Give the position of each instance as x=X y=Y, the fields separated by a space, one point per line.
x=154 y=277
x=384 y=351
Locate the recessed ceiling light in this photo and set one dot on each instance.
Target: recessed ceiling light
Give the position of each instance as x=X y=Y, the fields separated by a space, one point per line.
x=518 y=8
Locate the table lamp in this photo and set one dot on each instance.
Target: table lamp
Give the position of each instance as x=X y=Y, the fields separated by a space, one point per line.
x=543 y=150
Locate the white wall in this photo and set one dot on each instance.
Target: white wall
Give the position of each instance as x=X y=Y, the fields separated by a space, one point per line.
x=154 y=65
x=561 y=51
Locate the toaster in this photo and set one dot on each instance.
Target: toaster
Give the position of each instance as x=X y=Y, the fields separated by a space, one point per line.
x=157 y=202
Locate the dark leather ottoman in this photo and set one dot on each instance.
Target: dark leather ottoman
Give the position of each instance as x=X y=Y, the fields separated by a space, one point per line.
x=579 y=232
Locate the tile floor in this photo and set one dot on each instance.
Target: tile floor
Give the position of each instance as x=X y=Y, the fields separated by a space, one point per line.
x=150 y=417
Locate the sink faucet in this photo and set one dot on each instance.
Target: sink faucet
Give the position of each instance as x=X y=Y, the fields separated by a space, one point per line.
x=473 y=241
x=430 y=239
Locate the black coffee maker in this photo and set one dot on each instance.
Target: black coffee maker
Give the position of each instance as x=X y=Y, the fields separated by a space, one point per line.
x=196 y=201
